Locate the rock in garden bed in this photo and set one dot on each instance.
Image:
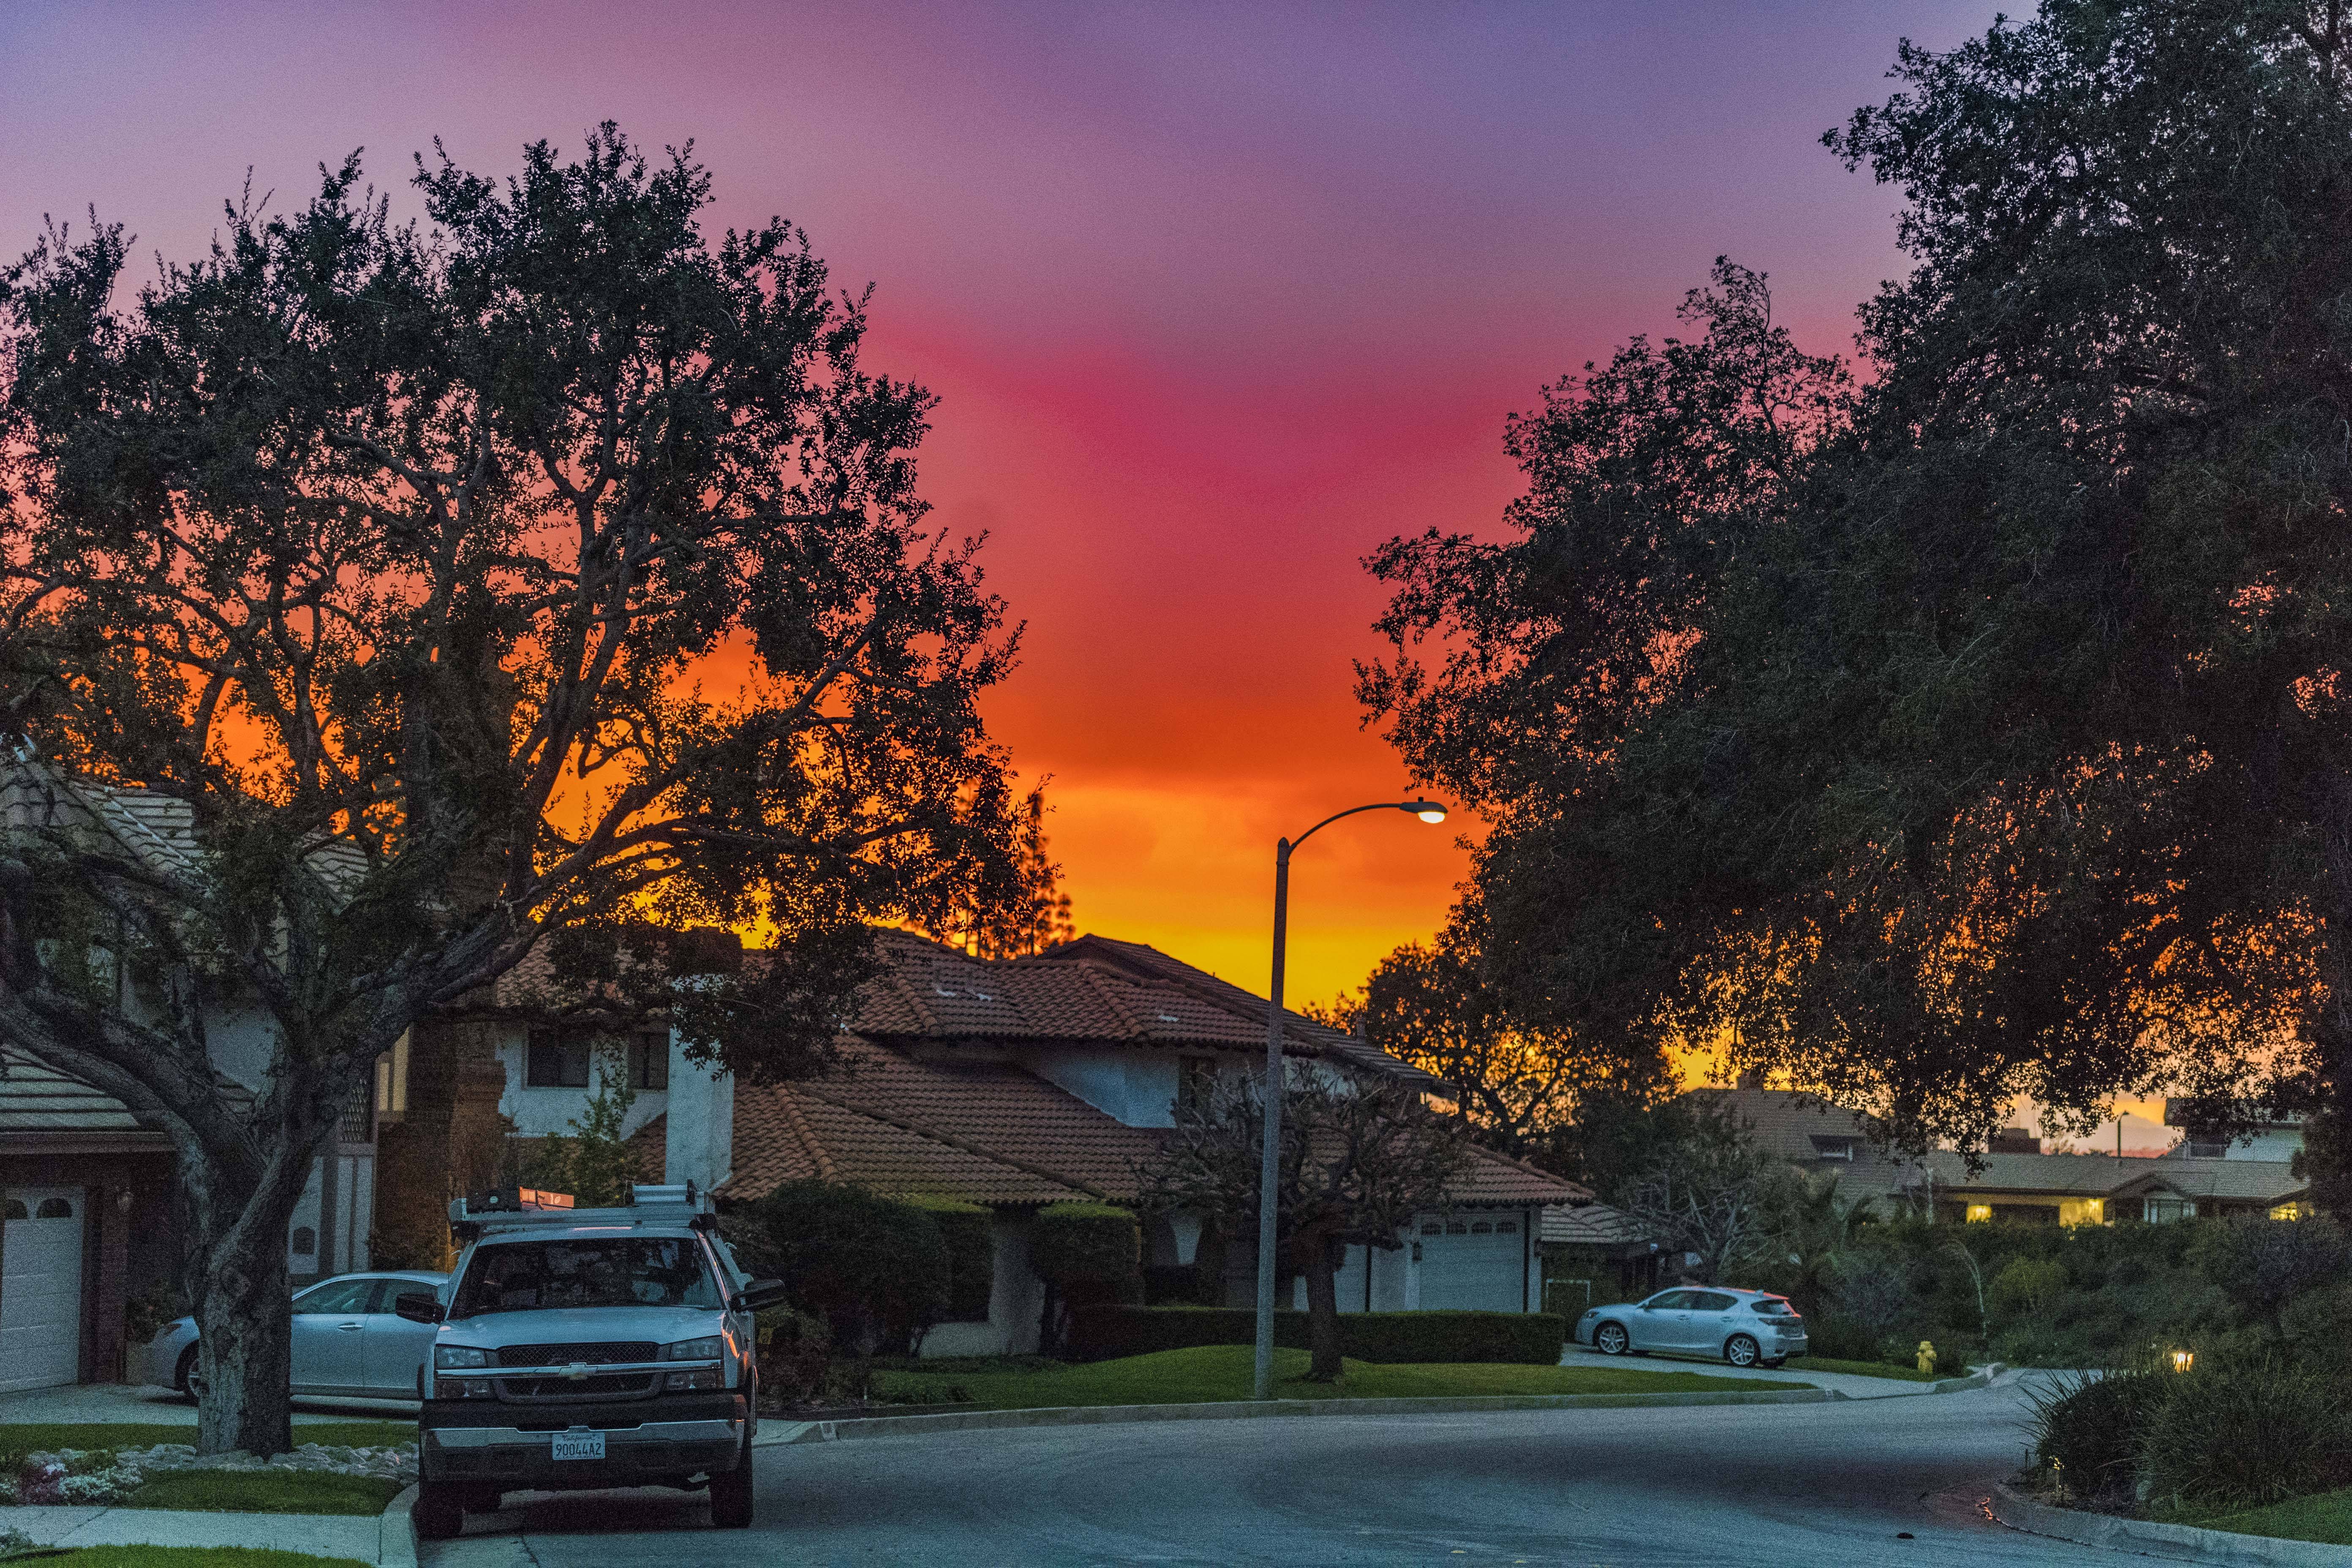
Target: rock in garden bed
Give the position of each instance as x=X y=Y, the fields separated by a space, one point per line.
x=110 y=1475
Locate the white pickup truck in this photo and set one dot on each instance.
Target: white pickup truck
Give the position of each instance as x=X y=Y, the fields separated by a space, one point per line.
x=578 y=1348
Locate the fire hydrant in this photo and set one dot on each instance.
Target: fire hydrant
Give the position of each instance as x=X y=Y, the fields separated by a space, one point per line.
x=1926 y=1355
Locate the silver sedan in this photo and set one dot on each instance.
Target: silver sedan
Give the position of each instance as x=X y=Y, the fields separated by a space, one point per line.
x=346 y=1339
x=1745 y=1328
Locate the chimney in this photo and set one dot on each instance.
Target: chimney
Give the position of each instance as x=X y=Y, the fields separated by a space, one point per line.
x=1752 y=1077
x=2014 y=1141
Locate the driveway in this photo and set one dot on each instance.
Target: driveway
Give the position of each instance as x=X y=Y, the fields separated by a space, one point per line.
x=1781 y=1485
x=1853 y=1385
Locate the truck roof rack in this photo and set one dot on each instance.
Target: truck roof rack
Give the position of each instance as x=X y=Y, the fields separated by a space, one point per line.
x=528 y=1209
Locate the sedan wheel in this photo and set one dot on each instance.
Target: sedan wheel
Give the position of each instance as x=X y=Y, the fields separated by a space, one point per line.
x=1741 y=1351
x=1611 y=1338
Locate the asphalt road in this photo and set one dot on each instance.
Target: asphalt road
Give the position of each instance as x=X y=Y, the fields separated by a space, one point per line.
x=1786 y=1486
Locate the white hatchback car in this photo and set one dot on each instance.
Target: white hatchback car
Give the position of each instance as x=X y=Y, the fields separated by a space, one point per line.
x=1745 y=1328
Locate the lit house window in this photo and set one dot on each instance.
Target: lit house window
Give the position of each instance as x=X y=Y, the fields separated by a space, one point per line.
x=1980 y=1213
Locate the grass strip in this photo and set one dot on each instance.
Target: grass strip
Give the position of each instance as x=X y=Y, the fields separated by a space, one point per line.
x=1214 y=1373
x=266 y=1491
x=2325 y=1517
x=1871 y=1369
x=190 y=1557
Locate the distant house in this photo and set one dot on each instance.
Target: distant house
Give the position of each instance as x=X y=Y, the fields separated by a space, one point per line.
x=1016 y=1084
x=1816 y=1136
x=2274 y=1135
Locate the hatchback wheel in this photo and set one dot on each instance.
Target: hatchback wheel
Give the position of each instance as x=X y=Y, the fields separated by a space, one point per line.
x=1741 y=1351
x=184 y=1379
x=1611 y=1338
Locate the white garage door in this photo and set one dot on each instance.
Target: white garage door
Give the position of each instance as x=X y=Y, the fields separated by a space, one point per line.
x=1473 y=1263
x=40 y=1287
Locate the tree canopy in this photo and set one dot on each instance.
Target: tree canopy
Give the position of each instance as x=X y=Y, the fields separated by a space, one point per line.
x=1975 y=725
x=544 y=572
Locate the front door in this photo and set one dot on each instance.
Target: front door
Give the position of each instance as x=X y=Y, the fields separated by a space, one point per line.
x=40 y=1287
x=330 y=1325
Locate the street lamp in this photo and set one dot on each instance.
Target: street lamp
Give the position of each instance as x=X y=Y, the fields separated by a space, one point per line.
x=1270 y=1164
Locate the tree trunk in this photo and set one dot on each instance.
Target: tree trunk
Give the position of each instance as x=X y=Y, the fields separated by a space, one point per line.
x=1318 y=1256
x=238 y=1289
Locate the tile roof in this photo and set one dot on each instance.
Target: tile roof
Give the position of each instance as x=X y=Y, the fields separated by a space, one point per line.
x=2229 y=1181
x=36 y=1099
x=1092 y=989
x=1591 y=1225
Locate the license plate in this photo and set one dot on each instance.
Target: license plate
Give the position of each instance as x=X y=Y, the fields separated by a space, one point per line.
x=579 y=1444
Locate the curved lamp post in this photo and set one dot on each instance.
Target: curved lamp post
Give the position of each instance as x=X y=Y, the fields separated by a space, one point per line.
x=1270 y=1166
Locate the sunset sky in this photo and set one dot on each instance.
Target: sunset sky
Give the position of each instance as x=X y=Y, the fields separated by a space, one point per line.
x=1216 y=299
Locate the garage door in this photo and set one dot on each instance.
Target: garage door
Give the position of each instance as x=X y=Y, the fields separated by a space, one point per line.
x=40 y=1287
x=1473 y=1263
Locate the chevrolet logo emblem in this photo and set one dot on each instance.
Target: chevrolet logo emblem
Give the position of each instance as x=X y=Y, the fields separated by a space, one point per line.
x=577 y=1372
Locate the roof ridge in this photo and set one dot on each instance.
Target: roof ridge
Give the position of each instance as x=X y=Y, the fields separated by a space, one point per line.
x=1589 y=1196
x=923 y=1129
x=1093 y=977
x=826 y=1169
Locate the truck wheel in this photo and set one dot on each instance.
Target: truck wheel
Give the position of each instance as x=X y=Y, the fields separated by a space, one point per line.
x=731 y=1492
x=480 y=1498
x=437 y=1515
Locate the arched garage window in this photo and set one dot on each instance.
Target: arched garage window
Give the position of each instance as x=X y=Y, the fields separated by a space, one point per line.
x=54 y=1208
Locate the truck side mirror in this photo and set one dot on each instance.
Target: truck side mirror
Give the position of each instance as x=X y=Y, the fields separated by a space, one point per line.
x=419 y=1307
x=758 y=1295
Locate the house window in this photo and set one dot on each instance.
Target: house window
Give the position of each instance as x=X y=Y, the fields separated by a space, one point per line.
x=17 y=1209
x=1457 y=1227
x=649 y=1061
x=1833 y=1148
x=54 y=1208
x=1507 y=1227
x=2289 y=1210
x=1980 y=1213
x=1196 y=1076
x=1483 y=1227
x=2206 y=1149
x=304 y=1240
x=557 y=1060
x=392 y=1082
x=1429 y=1228
x=2164 y=1210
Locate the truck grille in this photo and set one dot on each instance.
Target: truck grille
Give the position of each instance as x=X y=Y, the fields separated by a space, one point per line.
x=608 y=1387
x=621 y=1352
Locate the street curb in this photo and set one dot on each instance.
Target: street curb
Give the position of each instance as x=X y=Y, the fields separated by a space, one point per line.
x=2223 y=1547
x=785 y=1433
x=395 y=1531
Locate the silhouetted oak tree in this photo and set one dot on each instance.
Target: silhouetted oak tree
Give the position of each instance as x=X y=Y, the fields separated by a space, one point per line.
x=1983 y=728
x=519 y=576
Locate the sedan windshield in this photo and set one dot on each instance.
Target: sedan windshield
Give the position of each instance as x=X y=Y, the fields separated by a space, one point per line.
x=621 y=1271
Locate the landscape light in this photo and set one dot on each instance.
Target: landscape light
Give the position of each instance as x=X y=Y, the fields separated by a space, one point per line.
x=2183 y=1360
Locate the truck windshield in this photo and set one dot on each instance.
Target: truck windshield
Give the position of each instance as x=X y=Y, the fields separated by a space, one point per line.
x=619 y=1272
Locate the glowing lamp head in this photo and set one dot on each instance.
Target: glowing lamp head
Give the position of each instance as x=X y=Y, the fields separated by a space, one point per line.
x=1427 y=810
x=2183 y=1360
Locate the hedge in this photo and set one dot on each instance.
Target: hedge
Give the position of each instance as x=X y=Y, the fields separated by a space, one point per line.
x=967 y=1228
x=1531 y=1339
x=1089 y=1252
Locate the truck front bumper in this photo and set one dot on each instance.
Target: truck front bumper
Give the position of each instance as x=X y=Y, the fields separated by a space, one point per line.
x=667 y=1438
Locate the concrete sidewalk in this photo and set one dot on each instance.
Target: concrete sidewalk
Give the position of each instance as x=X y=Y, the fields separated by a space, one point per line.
x=356 y=1537
x=1853 y=1384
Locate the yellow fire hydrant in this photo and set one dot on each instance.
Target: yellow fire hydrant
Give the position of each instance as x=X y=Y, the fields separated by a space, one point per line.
x=1926 y=1355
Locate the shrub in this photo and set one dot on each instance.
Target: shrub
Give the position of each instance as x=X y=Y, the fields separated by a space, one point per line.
x=1089 y=1252
x=1531 y=1339
x=1835 y=1338
x=2087 y=1429
x=968 y=1233
x=873 y=1269
x=2239 y=1433
x=2262 y=1264
x=2025 y=1285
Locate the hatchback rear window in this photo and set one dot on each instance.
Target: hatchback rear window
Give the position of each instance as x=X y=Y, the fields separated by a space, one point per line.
x=1776 y=1309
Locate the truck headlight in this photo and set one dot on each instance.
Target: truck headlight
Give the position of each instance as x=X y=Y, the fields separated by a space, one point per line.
x=711 y=1347
x=460 y=1356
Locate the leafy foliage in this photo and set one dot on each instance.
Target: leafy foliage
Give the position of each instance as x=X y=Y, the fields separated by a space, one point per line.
x=1088 y=1251
x=968 y=1233
x=876 y=1271
x=2244 y=1433
x=2088 y=1429
x=593 y=1163
x=1532 y=1339
x=2264 y=1264
x=1980 y=730
x=547 y=571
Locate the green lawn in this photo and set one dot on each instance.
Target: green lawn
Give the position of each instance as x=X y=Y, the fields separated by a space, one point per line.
x=1872 y=1369
x=1216 y=1373
x=191 y=1557
x=266 y=1491
x=2323 y=1516
x=20 y=1438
